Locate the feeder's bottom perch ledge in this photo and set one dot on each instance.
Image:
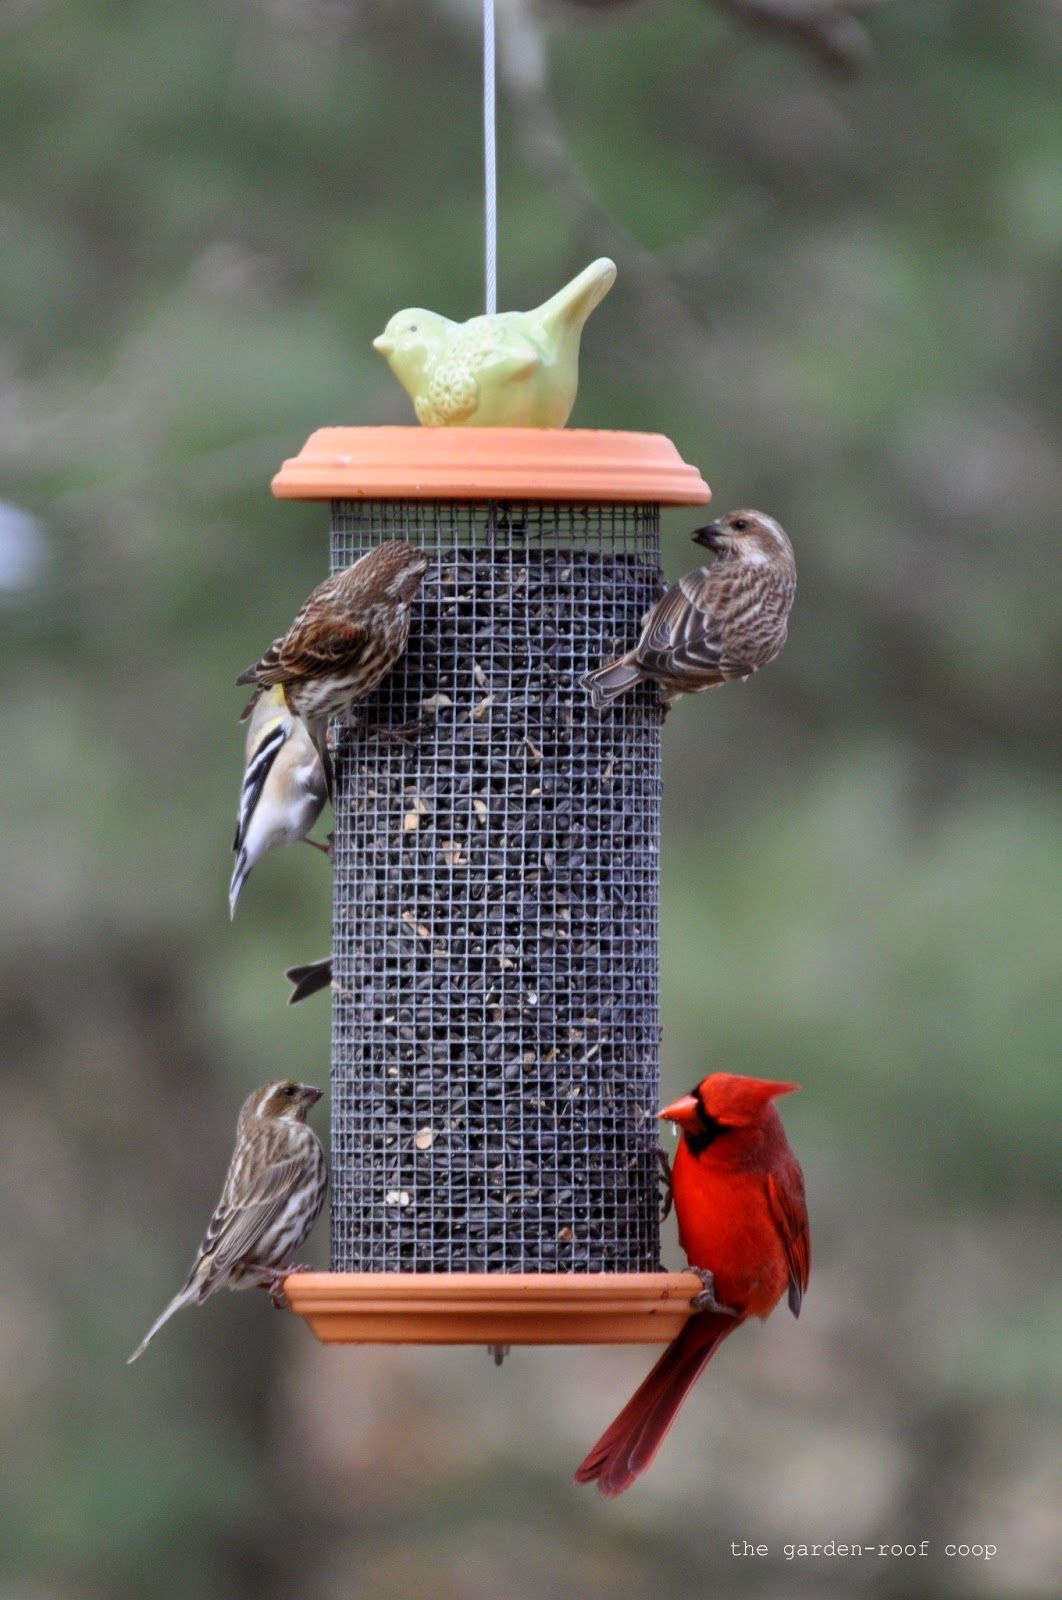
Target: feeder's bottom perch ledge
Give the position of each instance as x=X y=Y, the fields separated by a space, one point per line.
x=493 y=1308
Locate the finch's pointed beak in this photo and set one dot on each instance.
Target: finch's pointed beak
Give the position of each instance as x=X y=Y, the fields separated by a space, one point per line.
x=383 y=344
x=682 y=1111
x=310 y=1094
x=711 y=536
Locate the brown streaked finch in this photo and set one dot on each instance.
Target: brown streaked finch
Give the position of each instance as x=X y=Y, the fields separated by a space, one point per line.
x=273 y=1194
x=347 y=636
x=283 y=791
x=717 y=623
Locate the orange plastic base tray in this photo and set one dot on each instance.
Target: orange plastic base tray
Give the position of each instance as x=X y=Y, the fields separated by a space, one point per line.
x=493 y=1307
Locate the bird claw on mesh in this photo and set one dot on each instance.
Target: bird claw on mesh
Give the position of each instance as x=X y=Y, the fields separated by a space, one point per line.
x=665 y=1180
x=706 y=1300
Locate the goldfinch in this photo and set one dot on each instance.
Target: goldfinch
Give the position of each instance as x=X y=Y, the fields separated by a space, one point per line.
x=284 y=787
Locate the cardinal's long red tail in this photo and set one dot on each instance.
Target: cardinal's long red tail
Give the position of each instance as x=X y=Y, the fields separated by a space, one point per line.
x=629 y=1444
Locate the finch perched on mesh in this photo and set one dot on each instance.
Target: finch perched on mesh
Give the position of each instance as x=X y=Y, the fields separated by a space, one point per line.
x=719 y=622
x=273 y=1194
x=283 y=791
x=345 y=639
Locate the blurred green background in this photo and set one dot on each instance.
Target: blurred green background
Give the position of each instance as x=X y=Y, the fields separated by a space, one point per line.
x=836 y=295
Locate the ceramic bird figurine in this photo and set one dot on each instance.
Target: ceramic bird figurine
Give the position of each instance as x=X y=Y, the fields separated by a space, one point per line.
x=516 y=369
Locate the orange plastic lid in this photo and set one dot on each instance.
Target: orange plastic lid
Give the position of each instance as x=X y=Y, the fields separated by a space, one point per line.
x=489 y=464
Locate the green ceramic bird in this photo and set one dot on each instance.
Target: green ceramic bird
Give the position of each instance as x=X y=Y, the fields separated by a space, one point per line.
x=516 y=369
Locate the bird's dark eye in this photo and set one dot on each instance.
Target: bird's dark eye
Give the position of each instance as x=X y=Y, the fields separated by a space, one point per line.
x=289 y=1090
x=740 y=526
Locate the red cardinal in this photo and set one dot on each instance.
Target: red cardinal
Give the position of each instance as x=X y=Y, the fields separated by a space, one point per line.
x=739 y=1201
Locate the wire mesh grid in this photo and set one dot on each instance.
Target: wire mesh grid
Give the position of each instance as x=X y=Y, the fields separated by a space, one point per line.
x=495 y=1005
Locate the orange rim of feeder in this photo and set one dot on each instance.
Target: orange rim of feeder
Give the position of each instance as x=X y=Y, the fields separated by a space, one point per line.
x=493 y=1307
x=549 y=464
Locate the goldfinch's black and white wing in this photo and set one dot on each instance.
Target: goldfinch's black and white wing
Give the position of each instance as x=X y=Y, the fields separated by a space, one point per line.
x=254 y=779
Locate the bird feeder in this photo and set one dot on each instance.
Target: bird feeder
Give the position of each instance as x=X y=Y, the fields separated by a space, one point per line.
x=495 y=1005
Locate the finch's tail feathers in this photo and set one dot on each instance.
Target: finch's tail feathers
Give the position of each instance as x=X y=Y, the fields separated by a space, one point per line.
x=186 y=1297
x=240 y=873
x=573 y=304
x=628 y=1445
x=308 y=979
x=610 y=681
x=266 y=672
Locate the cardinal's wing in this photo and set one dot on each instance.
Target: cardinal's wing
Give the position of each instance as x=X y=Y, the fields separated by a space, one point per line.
x=785 y=1196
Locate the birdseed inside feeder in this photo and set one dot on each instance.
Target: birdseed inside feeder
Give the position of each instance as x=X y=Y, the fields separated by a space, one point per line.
x=495 y=1068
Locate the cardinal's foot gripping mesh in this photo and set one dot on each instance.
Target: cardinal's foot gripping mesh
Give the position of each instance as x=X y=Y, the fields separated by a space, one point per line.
x=495 y=1023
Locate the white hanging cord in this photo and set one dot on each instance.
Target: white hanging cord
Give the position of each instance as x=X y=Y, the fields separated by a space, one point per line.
x=490 y=162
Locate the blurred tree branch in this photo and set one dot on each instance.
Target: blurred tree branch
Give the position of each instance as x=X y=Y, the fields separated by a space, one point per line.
x=829 y=28
x=523 y=67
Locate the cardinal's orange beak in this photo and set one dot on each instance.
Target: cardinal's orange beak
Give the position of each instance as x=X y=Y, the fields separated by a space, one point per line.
x=683 y=1111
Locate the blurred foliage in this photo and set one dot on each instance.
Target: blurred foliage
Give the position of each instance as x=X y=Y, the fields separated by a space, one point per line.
x=838 y=295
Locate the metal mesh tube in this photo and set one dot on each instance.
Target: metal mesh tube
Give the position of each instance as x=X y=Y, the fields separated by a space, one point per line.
x=495 y=1013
